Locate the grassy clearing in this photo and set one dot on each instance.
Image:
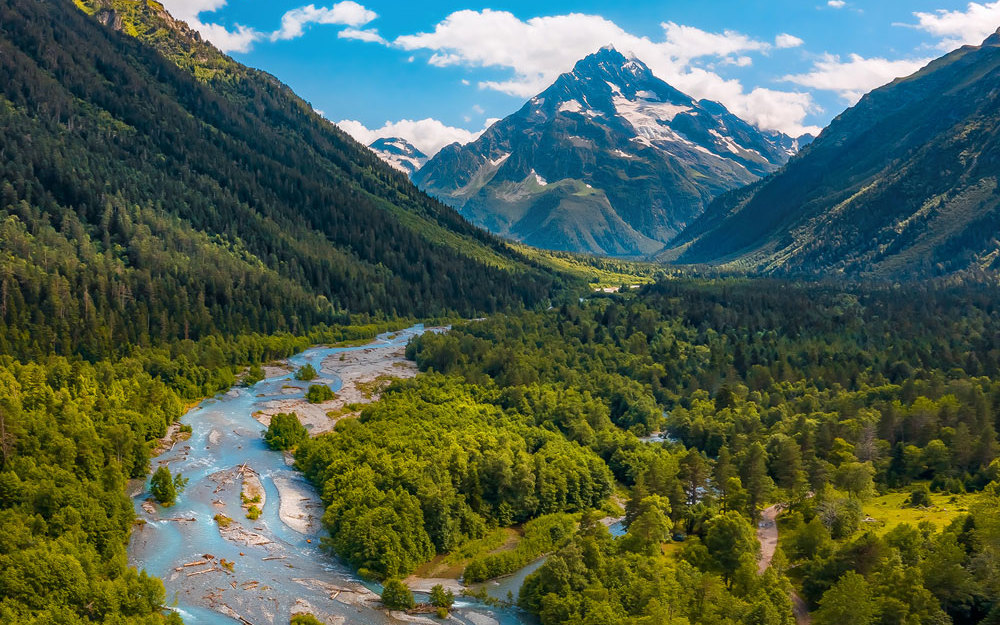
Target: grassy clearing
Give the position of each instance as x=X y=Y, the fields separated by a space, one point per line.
x=451 y=565
x=540 y=535
x=599 y=272
x=347 y=409
x=891 y=510
x=371 y=388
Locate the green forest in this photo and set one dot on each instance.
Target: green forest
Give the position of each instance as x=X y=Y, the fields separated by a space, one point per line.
x=149 y=192
x=170 y=221
x=818 y=398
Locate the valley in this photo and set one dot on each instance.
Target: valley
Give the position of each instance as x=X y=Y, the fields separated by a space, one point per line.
x=651 y=349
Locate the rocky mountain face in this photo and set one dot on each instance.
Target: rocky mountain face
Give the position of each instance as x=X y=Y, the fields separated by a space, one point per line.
x=609 y=159
x=904 y=184
x=399 y=153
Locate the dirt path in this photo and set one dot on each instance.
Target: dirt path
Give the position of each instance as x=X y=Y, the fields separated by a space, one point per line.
x=800 y=610
x=767 y=536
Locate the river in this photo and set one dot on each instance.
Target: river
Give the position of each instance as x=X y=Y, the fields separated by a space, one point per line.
x=271 y=570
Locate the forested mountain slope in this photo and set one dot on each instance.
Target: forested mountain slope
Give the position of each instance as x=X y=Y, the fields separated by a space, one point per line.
x=161 y=209
x=904 y=184
x=156 y=191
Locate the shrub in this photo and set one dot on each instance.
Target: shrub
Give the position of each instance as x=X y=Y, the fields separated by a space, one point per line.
x=319 y=393
x=441 y=598
x=396 y=596
x=306 y=373
x=285 y=432
x=253 y=375
x=165 y=487
x=920 y=497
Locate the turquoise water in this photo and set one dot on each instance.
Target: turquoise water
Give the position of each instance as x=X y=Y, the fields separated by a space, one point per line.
x=225 y=436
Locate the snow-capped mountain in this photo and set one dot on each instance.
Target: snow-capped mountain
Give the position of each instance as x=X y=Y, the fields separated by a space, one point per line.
x=399 y=153
x=609 y=159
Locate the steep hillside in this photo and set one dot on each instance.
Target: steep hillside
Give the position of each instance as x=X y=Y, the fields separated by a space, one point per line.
x=609 y=159
x=151 y=187
x=904 y=184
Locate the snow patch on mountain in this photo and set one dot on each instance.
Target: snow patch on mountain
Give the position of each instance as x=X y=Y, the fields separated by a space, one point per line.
x=399 y=153
x=571 y=106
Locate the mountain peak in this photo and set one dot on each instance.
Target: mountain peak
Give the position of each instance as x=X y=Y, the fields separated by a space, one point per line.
x=609 y=159
x=399 y=153
x=611 y=63
x=993 y=40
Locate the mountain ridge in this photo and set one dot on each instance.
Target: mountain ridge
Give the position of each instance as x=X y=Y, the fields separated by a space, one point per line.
x=399 y=153
x=609 y=159
x=160 y=189
x=900 y=185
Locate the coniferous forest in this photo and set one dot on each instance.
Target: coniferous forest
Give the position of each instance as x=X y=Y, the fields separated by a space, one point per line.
x=171 y=220
x=818 y=398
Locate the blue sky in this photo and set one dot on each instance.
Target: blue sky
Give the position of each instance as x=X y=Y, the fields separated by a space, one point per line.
x=438 y=71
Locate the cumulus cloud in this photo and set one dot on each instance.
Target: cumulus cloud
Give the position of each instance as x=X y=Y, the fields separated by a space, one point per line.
x=836 y=4
x=548 y=46
x=784 y=40
x=241 y=38
x=345 y=13
x=237 y=39
x=427 y=135
x=185 y=9
x=362 y=34
x=856 y=76
x=957 y=28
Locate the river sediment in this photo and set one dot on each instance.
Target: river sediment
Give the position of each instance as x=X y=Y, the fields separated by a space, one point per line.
x=263 y=570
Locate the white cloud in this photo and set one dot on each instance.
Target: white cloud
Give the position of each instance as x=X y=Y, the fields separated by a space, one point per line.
x=784 y=40
x=957 y=28
x=836 y=4
x=369 y=34
x=854 y=77
x=549 y=46
x=772 y=109
x=293 y=23
x=240 y=39
x=187 y=9
x=427 y=135
x=738 y=61
x=347 y=13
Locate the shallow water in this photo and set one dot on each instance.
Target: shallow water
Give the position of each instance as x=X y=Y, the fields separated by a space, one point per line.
x=225 y=436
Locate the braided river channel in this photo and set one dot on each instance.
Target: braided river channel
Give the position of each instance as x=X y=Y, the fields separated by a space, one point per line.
x=263 y=570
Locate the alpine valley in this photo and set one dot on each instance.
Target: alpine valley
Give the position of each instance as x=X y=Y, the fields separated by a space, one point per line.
x=251 y=373
x=609 y=159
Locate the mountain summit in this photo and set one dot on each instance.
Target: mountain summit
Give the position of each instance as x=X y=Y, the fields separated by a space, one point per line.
x=903 y=184
x=609 y=159
x=399 y=153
